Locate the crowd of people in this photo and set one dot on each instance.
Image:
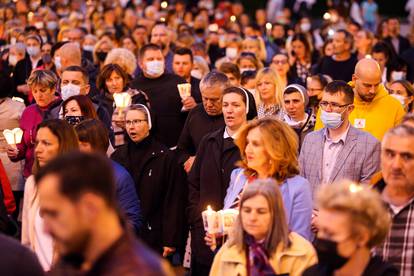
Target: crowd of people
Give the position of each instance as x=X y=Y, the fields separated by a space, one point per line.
x=138 y=115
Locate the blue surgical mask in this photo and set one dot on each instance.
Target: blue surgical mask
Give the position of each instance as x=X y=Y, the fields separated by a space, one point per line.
x=331 y=120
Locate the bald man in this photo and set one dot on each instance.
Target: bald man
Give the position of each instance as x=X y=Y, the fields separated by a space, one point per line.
x=375 y=110
x=70 y=55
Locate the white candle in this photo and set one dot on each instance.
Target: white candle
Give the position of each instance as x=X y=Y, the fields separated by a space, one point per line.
x=210 y=220
x=13 y=137
x=122 y=100
x=184 y=89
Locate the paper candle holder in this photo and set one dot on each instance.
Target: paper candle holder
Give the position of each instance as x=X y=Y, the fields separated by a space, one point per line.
x=226 y=219
x=219 y=222
x=122 y=100
x=184 y=89
x=13 y=136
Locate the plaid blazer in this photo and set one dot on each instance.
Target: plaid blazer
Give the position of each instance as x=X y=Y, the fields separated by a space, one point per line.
x=358 y=159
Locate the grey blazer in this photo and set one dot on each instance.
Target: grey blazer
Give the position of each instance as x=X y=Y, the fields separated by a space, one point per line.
x=358 y=160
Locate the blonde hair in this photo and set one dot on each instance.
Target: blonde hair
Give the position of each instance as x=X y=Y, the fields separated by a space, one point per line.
x=124 y=58
x=363 y=205
x=278 y=229
x=99 y=44
x=44 y=78
x=281 y=146
x=259 y=44
x=250 y=57
x=276 y=82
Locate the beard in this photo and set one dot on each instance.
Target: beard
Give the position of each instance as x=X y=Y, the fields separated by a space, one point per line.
x=73 y=246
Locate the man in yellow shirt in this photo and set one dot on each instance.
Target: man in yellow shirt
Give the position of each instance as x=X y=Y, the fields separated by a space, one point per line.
x=375 y=110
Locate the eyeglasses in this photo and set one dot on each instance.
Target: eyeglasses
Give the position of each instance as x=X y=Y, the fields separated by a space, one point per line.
x=281 y=62
x=334 y=106
x=134 y=122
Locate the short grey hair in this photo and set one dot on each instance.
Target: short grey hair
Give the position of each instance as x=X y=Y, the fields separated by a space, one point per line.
x=45 y=78
x=214 y=79
x=19 y=47
x=402 y=130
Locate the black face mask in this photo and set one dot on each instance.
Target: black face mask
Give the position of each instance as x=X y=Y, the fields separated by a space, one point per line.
x=101 y=56
x=74 y=120
x=328 y=254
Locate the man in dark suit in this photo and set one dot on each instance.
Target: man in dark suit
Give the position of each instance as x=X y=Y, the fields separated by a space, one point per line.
x=399 y=42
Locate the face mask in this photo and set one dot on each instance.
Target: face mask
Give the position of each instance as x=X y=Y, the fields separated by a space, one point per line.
x=13 y=40
x=305 y=27
x=197 y=74
x=231 y=53
x=74 y=120
x=51 y=25
x=58 y=63
x=101 y=56
x=328 y=254
x=398 y=75
x=331 y=120
x=400 y=98
x=12 y=60
x=247 y=69
x=69 y=90
x=44 y=39
x=88 y=48
x=155 y=68
x=39 y=25
x=33 y=51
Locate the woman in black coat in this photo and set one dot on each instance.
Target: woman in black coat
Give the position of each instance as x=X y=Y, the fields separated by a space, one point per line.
x=159 y=182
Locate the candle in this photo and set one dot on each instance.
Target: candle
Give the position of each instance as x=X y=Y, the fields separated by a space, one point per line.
x=184 y=89
x=13 y=137
x=210 y=220
x=122 y=100
x=226 y=219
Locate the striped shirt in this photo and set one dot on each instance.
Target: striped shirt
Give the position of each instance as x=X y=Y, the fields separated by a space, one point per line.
x=398 y=247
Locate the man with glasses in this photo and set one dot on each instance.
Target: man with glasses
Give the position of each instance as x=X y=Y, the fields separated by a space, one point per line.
x=339 y=150
x=375 y=110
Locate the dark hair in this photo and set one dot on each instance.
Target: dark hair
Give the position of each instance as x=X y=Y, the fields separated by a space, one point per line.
x=68 y=141
x=147 y=47
x=95 y=133
x=57 y=46
x=76 y=68
x=304 y=39
x=323 y=81
x=183 y=52
x=247 y=75
x=230 y=68
x=339 y=86
x=106 y=74
x=236 y=90
x=348 y=37
x=85 y=104
x=81 y=173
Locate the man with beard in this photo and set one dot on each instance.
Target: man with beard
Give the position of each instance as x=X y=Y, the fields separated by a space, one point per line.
x=397 y=192
x=78 y=204
x=375 y=110
x=161 y=36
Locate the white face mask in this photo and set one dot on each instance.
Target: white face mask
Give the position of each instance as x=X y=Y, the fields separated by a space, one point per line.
x=155 y=68
x=39 y=25
x=400 y=98
x=231 y=53
x=33 y=51
x=69 y=90
x=197 y=74
x=88 y=48
x=246 y=69
x=305 y=27
x=12 y=60
x=51 y=25
x=398 y=75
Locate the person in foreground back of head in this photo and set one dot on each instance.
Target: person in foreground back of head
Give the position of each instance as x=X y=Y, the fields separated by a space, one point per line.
x=260 y=242
x=352 y=220
x=78 y=204
x=93 y=138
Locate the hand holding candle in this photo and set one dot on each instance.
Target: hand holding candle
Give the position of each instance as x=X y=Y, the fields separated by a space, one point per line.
x=185 y=91
x=13 y=137
x=122 y=101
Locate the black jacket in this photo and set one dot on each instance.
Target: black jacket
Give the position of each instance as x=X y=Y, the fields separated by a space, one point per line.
x=159 y=185
x=208 y=182
x=166 y=105
x=404 y=44
x=197 y=125
x=21 y=73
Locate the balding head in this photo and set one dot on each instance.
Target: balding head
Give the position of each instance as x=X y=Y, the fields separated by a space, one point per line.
x=367 y=78
x=70 y=55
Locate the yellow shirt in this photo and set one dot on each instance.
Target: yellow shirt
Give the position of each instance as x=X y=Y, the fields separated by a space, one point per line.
x=376 y=117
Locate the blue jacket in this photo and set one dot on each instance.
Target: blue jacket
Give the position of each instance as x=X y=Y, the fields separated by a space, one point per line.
x=297 y=199
x=127 y=196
